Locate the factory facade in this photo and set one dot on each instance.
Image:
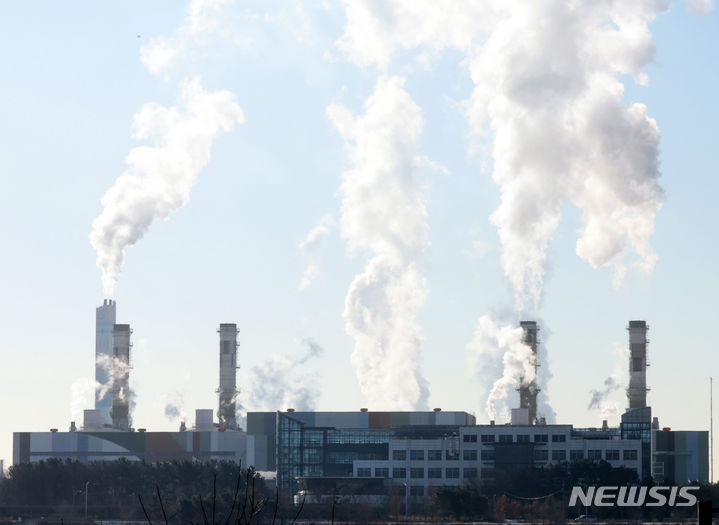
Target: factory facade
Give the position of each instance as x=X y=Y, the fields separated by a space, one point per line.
x=418 y=450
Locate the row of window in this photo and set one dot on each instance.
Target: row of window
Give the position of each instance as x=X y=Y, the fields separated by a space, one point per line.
x=417 y=473
x=539 y=455
x=520 y=438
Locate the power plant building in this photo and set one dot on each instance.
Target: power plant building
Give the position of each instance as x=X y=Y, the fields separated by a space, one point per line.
x=372 y=452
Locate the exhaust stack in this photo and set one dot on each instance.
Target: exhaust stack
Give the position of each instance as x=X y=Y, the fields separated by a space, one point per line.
x=105 y=318
x=121 y=376
x=227 y=390
x=528 y=391
x=637 y=391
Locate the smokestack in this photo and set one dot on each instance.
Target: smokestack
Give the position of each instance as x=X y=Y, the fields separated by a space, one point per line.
x=528 y=391
x=104 y=321
x=121 y=376
x=228 y=375
x=637 y=391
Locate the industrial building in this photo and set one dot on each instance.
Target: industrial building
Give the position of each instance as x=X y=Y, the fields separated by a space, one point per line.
x=107 y=433
x=418 y=450
x=367 y=455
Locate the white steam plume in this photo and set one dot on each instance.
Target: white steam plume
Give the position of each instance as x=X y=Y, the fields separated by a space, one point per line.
x=309 y=247
x=280 y=382
x=159 y=178
x=547 y=86
x=383 y=213
x=497 y=350
x=602 y=399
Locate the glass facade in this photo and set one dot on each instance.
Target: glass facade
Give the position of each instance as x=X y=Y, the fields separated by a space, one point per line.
x=323 y=452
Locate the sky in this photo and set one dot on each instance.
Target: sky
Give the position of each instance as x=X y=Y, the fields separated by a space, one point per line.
x=375 y=192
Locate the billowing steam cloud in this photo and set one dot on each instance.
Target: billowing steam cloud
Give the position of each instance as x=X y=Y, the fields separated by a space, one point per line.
x=309 y=247
x=159 y=178
x=562 y=132
x=383 y=213
x=279 y=382
x=547 y=87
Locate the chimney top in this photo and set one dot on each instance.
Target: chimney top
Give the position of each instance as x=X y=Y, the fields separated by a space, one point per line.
x=437 y=409
x=364 y=410
x=290 y=410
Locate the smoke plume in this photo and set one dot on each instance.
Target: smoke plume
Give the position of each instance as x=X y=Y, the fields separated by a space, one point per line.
x=159 y=178
x=174 y=407
x=280 y=381
x=383 y=214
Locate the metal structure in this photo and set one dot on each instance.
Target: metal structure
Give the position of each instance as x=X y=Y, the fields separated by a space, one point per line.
x=227 y=390
x=105 y=318
x=121 y=376
x=637 y=391
x=528 y=389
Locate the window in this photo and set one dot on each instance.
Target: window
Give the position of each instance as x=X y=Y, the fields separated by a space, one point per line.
x=470 y=473
x=363 y=472
x=399 y=455
x=522 y=438
x=541 y=454
x=470 y=455
x=381 y=472
x=451 y=455
x=559 y=455
x=630 y=454
x=487 y=438
x=611 y=455
x=576 y=454
x=416 y=473
x=434 y=455
x=416 y=490
x=488 y=455
x=505 y=438
x=594 y=455
x=399 y=472
x=416 y=455
x=451 y=473
x=434 y=473
x=559 y=438
x=541 y=438
x=470 y=438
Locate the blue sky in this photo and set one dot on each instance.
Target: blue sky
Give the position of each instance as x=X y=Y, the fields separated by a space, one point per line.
x=74 y=80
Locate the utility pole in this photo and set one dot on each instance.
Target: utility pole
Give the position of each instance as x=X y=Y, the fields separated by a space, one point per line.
x=87 y=485
x=711 y=430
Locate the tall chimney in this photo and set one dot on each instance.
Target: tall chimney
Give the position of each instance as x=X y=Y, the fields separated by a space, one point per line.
x=104 y=321
x=637 y=391
x=121 y=376
x=528 y=391
x=228 y=375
